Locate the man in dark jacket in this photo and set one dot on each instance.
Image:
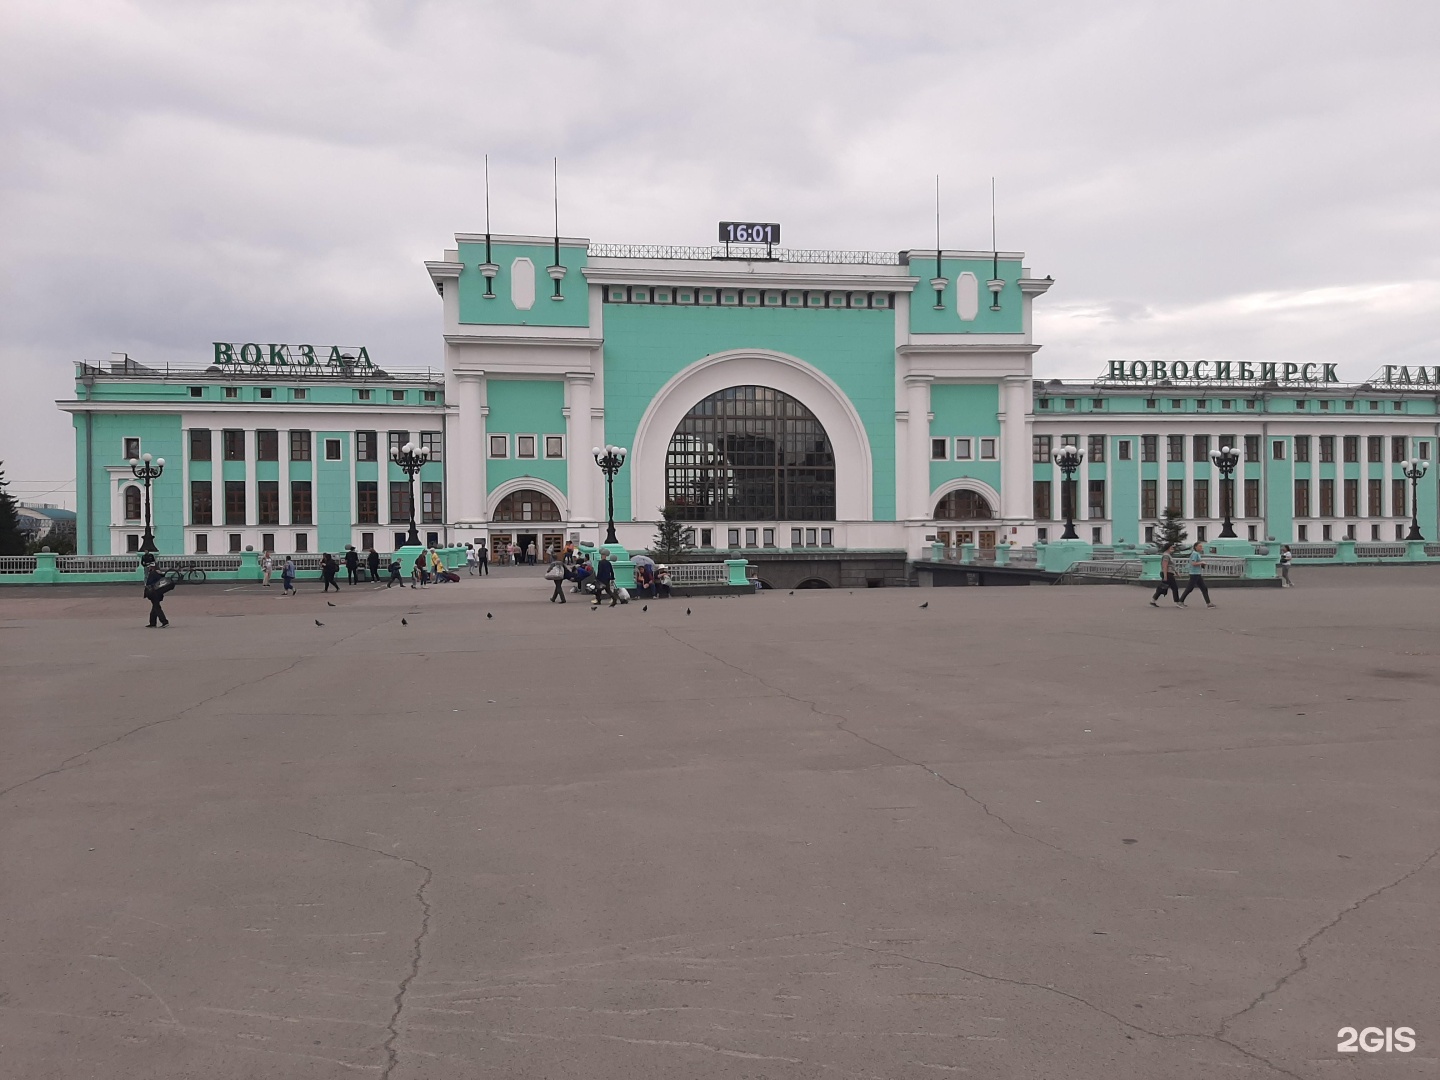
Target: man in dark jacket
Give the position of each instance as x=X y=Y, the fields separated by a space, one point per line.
x=352 y=565
x=605 y=579
x=372 y=563
x=155 y=588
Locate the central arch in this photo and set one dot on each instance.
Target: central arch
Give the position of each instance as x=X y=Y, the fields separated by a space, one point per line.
x=854 y=479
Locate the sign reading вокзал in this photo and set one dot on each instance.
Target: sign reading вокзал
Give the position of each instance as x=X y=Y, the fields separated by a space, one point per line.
x=301 y=357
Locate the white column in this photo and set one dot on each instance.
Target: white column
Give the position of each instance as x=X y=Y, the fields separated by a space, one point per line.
x=469 y=457
x=282 y=452
x=917 y=399
x=252 y=467
x=579 y=480
x=1016 y=502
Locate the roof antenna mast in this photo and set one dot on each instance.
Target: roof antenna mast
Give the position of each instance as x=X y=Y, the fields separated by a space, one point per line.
x=556 y=269
x=939 y=281
x=995 y=284
x=488 y=268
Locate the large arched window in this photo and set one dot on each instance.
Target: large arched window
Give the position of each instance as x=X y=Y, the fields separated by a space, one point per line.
x=963 y=506
x=526 y=505
x=132 y=503
x=750 y=453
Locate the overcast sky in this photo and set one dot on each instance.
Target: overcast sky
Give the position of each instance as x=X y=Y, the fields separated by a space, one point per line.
x=1248 y=180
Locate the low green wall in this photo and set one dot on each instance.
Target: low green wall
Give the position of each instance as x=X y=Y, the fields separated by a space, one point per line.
x=46 y=570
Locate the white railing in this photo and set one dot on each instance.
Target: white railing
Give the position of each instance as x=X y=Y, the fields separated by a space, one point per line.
x=704 y=573
x=208 y=563
x=1432 y=551
x=1380 y=551
x=1213 y=566
x=1109 y=569
x=1314 y=551
x=17 y=564
x=742 y=251
x=97 y=564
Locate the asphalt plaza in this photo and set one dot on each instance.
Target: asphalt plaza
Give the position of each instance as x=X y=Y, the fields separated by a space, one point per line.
x=1037 y=832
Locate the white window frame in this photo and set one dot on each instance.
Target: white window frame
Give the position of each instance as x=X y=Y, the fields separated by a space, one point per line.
x=943 y=446
x=555 y=457
x=505 y=443
x=436 y=441
x=994 y=454
x=964 y=448
x=339 y=454
x=534 y=447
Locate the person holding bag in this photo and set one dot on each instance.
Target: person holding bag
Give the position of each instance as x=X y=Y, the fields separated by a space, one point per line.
x=156 y=586
x=555 y=573
x=1167 y=576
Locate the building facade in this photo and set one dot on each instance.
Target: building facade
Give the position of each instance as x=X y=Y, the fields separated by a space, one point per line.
x=811 y=407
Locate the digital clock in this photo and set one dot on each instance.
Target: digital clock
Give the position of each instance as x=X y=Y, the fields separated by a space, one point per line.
x=749 y=232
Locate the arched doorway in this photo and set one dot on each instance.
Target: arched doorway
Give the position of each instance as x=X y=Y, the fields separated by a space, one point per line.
x=521 y=518
x=750 y=453
x=968 y=510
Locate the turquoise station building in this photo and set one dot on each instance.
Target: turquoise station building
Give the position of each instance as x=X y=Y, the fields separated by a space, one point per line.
x=829 y=415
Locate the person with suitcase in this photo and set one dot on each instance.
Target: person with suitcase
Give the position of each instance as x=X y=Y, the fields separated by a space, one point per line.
x=156 y=586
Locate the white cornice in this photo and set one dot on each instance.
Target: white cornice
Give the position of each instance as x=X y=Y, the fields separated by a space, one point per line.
x=761 y=276
x=287 y=411
x=568 y=341
x=966 y=347
x=1035 y=286
x=513 y=238
x=440 y=271
x=921 y=254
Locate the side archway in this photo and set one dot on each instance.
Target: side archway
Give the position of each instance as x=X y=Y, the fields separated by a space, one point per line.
x=964 y=499
x=504 y=491
x=854 y=473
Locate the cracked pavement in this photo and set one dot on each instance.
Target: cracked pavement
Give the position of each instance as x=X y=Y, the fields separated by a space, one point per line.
x=1028 y=832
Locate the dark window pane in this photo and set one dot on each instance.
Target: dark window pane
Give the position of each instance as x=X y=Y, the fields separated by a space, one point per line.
x=267 y=445
x=234 y=502
x=301 y=507
x=267 y=494
x=199 y=444
x=367 y=502
x=202 y=495
x=299 y=446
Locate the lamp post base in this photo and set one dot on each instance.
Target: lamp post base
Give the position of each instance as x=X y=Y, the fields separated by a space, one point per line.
x=1069 y=533
x=147 y=543
x=1227 y=532
x=1414 y=533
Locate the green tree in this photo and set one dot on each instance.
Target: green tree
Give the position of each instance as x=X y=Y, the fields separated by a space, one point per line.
x=1171 y=531
x=672 y=540
x=11 y=541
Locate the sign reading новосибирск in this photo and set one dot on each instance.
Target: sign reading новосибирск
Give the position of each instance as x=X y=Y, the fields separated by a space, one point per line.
x=285 y=356
x=1218 y=371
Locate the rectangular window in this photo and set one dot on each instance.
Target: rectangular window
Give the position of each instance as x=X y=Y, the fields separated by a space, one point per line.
x=433 y=441
x=732 y=537
x=1200 y=447
x=1327 y=448
x=300 y=394
x=524 y=446
x=939 y=449
x=232 y=391
x=267 y=495
x=202 y=541
x=1068 y=509
x=430 y=395
x=1325 y=407
x=302 y=543
x=1375 y=499
x=1040 y=449
x=1201 y=403
x=827 y=537
x=1124 y=449
x=364 y=394
x=399 y=502
x=1097 y=498
x=1352 y=498
x=1352 y=447
x=1149 y=499
x=397 y=395
x=1277 y=449
x=267 y=446
x=397 y=440
x=706 y=536
x=1397 y=498
x=1174 y=447
x=1097 y=403
x=1302 y=498
x=202 y=508
x=987 y=449
x=266 y=393
x=234 y=502
x=365 y=446
x=1374 y=448
x=1097 y=447
x=1302 y=533
x=1175 y=495
x=1149 y=447
x=1302 y=447
x=1252 y=497
x=233 y=443
x=1069 y=403
x=234 y=542
x=302 y=506
x=1252 y=447
x=1177 y=403
x=767 y=537
x=795 y=538
x=267 y=541
x=132 y=449
x=1397 y=448
x=810 y=538
x=197 y=391
x=1424 y=454
x=499 y=446
x=963 y=449
x=750 y=538
x=432 y=503
x=199 y=444
x=332 y=449
x=367 y=540
x=1044 y=500
x=1327 y=498
x=367 y=502
x=299 y=446
x=554 y=446
x=1201 y=498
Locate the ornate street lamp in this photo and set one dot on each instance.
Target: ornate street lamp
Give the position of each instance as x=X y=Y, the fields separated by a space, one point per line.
x=1068 y=458
x=1225 y=459
x=147 y=471
x=411 y=459
x=610 y=459
x=1414 y=468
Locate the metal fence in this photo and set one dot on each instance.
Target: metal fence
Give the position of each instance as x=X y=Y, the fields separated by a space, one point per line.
x=208 y=563
x=97 y=564
x=743 y=251
x=1314 y=551
x=704 y=573
x=1380 y=551
x=1106 y=570
x=17 y=564
x=1216 y=566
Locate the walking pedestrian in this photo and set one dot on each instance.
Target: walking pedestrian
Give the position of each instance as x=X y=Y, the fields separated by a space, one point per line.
x=605 y=579
x=437 y=567
x=1197 y=579
x=352 y=565
x=395 y=578
x=372 y=563
x=287 y=576
x=483 y=555
x=267 y=566
x=1167 y=576
x=472 y=559
x=515 y=554
x=156 y=586
x=555 y=573
x=1286 y=557
x=420 y=573
x=328 y=569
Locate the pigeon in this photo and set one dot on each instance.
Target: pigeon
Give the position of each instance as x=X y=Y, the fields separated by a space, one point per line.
x=924 y=605
x=687 y=611
x=403 y=621
x=488 y=615
x=645 y=608
x=319 y=623
x=792 y=592
x=329 y=604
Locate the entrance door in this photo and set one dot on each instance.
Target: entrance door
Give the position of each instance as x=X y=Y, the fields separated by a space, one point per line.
x=533 y=539
x=500 y=549
x=964 y=536
x=943 y=535
x=987 y=538
x=551 y=542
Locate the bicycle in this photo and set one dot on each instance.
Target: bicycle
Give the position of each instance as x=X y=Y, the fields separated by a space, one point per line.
x=189 y=572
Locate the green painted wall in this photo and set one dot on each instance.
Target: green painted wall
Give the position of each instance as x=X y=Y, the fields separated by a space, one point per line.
x=970 y=410
x=645 y=345
x=333 y=498
x=1279 y=492
x=573 y=310
x=924 y=319
x=526 y=407
x=160 y=436
x=1124 y=493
